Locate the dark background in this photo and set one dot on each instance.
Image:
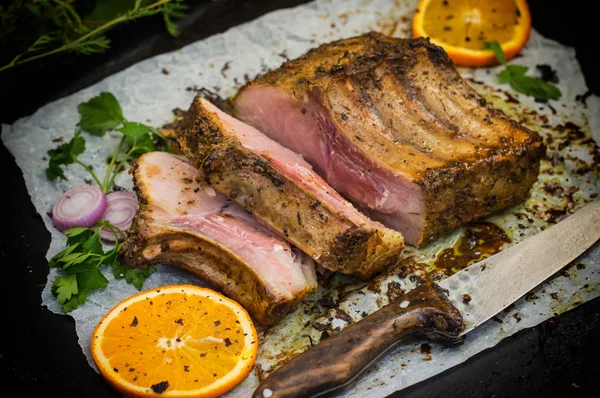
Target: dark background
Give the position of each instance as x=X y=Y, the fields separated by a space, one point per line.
x=39 y=352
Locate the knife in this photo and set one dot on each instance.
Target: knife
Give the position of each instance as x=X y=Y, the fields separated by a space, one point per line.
x=443 y=312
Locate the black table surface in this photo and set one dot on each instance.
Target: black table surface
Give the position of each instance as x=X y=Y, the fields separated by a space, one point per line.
x=39 y=352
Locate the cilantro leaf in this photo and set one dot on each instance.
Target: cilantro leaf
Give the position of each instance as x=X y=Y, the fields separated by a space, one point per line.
x=54 y=261
x=64 y=287
x=75 y=301
x=515 y=76
x=72 y=259
x=64 y=154
x=81 y=262
x=139 y=137
x=93 y=244
x=77 y=234
x=81 y=265
x=91 y=279
x=134 y=276
x=54 y=171
x=100 y=114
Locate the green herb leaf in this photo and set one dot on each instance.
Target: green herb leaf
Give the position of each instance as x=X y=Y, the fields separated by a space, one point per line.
x=497 y=49
x=506 y=75
x=173 y=10
x=112 y=258
x=77 y=234
x=100 y=114
x=54 y=171
x=75 y=301
x=54 y=261
x=64 y=154
x=515 y=76
x=93 y=244
x=64 y=287
x=81 y=262
x=533 y=86
x=91 y=279
x=134 y=276
x=57 y=26
x=92 y=45
x=108 y=9
x=138 y=137
x=73 y=258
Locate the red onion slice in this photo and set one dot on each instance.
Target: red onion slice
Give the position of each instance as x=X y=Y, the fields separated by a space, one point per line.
x=120 y=209
x=79 y=207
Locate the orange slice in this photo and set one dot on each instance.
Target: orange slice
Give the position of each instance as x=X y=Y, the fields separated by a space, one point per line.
x=462 y=26
x=175 y=341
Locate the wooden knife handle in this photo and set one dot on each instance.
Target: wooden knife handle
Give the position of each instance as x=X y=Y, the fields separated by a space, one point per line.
x=334 y=363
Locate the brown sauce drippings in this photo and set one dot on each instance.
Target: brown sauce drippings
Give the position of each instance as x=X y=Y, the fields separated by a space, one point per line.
x=480 y=240
x=425 y=348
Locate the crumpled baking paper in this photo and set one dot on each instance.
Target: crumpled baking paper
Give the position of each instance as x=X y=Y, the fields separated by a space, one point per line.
x=150 y=90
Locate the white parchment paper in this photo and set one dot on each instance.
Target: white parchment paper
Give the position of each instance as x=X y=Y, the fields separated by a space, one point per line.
x=221 y=63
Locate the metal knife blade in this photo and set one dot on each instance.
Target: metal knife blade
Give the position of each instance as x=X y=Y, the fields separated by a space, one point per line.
x=498 y=281
x=436 y=312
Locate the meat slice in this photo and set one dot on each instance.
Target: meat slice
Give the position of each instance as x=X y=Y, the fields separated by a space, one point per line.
x=391 y=124
x=281 y=190
x=184 y=224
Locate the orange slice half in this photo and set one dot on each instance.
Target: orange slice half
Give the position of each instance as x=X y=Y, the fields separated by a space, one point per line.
x=175 y=341
x=462 y=27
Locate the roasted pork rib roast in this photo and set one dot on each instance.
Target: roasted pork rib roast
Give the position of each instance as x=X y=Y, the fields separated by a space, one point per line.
x=391 y=124
x=184 y=224
x=282 y=191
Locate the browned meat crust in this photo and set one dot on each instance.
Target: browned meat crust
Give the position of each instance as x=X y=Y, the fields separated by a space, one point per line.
x=253 y=181
x=403 y=105
x=211 y=263
x=154 y=242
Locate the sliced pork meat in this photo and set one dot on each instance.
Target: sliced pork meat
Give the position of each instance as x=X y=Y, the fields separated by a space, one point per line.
x=184 y=224
x=390 y=124
x=282 y=191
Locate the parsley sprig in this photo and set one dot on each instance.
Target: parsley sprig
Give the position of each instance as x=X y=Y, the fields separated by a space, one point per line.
x=82 y=260
x=81 y=263
x=98 y=115
x=515 y=76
